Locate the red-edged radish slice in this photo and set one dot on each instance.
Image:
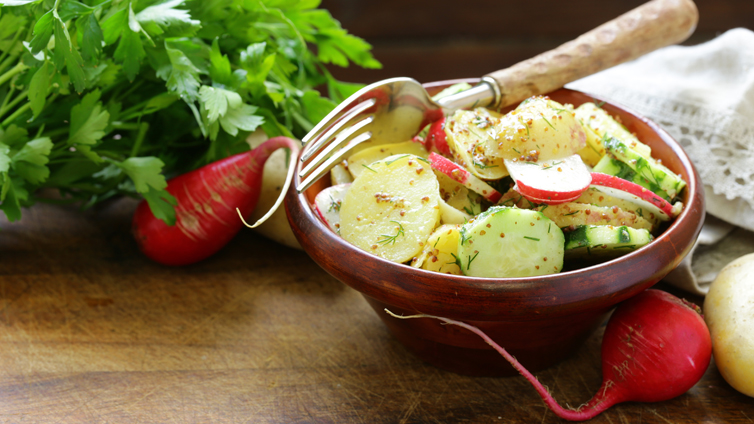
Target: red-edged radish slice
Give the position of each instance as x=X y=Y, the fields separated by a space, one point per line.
x=662 y=206
x=461 y=175
x=551 y=182
x=327 y=204
x=437 y=139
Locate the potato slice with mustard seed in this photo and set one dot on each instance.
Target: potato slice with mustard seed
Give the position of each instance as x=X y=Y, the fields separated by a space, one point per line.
x=392 y=208
x=440 y=253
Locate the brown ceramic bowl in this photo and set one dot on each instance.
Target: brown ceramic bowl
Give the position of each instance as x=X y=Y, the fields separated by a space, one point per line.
x=540 y=320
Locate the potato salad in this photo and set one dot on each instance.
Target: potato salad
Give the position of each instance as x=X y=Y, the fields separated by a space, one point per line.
x=541 y=188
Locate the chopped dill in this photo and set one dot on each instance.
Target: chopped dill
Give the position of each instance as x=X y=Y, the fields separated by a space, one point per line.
x=471 y=259
x=397 y=159
x=388 y=239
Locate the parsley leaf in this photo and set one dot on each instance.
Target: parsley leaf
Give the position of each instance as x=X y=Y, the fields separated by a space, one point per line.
x=88 y=120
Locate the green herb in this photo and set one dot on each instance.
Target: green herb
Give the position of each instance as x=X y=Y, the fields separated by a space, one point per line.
x=531 y=238
x=572 y=213
x=390 y=239
x=464 y=238
x=367 y=167
x=483 y=166
x=396 y=159
x=107 y=98
x=457 y=261
x=471 y=259
x=628 y=246
x=548 y=122
x=334 y=205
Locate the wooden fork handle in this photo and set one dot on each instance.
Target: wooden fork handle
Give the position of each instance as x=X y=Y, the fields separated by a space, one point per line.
x=653 y=25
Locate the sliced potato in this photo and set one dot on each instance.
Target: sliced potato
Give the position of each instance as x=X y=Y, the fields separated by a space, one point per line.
x=572 y=215
x=459 y=196
x=339 y=175
x=392 y=208
x=469 y=132
x=451 y=215
x=594 y=150
x=594 y=196
x=440 y=252
x=357 y=161
x=538 y=129
x=605 y=126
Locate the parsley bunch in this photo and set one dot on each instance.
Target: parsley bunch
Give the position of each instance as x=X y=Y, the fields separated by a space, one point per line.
x=106 y=98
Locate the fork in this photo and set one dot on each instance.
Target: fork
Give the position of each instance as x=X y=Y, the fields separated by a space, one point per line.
x=394 y=110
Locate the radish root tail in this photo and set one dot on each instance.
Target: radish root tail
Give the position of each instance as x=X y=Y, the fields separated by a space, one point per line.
x=288 y=178
x=544 y=393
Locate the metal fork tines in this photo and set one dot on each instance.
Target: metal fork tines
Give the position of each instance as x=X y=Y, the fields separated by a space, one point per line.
x=327 y=156
x=376 y=113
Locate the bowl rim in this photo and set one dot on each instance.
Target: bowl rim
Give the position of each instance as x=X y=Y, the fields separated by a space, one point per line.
x=560 y=293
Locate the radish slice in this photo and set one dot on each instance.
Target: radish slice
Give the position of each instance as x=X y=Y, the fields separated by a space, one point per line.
x=552 y=181
x=327 y=204
x=605 y=181
x=461 y=175
x=437 y=139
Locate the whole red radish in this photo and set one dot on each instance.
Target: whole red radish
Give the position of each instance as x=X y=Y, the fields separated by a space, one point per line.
x=655 y=347
x=209 y=202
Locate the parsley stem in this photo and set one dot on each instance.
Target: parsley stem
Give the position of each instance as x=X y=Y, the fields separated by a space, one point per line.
x=12 y=72
x=16 y=114
x=12 y=43
x=13 y=104
x=11 y=90
x=143 y=128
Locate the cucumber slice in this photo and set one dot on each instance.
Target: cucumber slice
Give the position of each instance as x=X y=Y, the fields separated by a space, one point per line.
x=604 y=241
x=611 y=166
x=508 y=242
x=648 y=168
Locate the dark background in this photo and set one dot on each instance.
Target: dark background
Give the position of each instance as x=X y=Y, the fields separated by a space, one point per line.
x=431 y=40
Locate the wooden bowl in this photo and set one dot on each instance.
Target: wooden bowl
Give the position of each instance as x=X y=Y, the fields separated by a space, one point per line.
x=540 y=320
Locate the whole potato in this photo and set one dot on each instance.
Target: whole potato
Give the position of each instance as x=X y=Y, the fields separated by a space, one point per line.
x=729 y=313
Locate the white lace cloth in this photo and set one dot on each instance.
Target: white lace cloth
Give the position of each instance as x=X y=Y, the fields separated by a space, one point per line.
x=703 y=96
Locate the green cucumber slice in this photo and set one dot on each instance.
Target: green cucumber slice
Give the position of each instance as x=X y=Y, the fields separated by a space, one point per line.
x=611 y=166
x=506 y=242
x=604 y=241
x=648 y=168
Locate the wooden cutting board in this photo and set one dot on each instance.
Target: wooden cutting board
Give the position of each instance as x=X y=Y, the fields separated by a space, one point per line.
x=93 y=332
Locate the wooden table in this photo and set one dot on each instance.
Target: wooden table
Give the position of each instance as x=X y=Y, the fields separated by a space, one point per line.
x=93 y=332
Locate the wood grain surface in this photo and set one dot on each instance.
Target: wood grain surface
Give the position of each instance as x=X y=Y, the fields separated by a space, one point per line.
x=93 y=332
